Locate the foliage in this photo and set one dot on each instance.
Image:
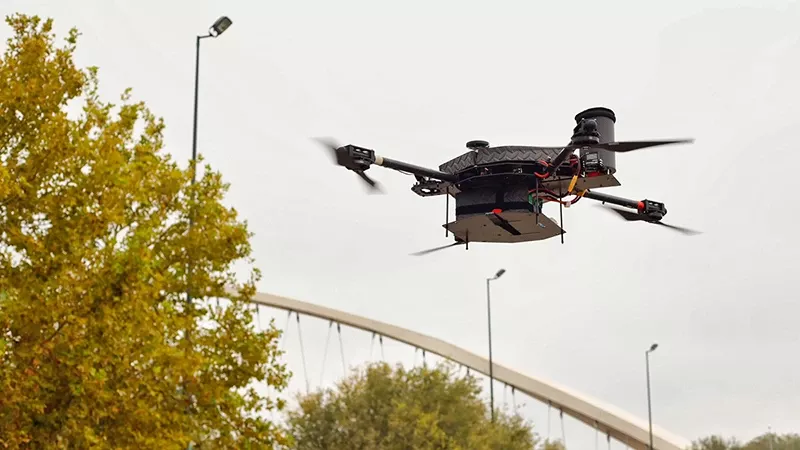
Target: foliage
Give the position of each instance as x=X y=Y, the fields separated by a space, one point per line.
x=716 y=443
x=99 y=347
x=767 y=441
x=381 y=408
x=553 y=445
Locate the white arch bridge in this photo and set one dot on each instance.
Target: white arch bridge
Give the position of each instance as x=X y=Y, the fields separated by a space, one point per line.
x=606 y=420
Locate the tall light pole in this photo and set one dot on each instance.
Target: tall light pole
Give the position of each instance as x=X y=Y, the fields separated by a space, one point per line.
x=489 y=315
x=216 y=29
x=649 y=407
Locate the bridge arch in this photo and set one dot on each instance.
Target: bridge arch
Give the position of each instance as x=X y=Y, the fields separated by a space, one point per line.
x=609 y=420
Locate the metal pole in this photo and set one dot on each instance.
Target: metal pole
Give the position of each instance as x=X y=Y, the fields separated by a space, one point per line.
x=196 y=94
x=194 y=134
x=218 y=27
x=194 y=160
x=649 y=408
x=491 y=363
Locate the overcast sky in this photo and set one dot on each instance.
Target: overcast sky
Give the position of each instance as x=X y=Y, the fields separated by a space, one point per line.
x=416 y=80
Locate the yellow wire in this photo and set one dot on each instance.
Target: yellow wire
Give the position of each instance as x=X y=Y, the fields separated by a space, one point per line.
x=572 y=184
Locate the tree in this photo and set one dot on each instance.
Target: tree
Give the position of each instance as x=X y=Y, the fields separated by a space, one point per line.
x=773 y=441
x=381 y=408
x=99 y=347
x=716 y=443
x=767 y=441
x=553 y=445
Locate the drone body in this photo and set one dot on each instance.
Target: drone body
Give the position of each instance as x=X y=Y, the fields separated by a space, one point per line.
x=500 y=191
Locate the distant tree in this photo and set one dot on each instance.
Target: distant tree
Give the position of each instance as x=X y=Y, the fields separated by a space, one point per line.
x=99 y=347
x=716 y=443
x=381 y=408
x=553 y=445
x=767 y=441
x=773 y=441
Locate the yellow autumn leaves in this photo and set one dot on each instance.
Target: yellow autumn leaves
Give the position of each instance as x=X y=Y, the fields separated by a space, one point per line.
x=94 y=248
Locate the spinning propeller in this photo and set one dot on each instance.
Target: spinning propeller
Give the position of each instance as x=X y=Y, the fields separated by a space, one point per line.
x=579 y=142
x=632 y=216
x=629 y=146
x=586 y=134
x=352 y=160
x=436 y=249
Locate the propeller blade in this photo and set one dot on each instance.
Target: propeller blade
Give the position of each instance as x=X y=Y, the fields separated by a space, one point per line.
x=622 y=147
x=562 y=156
x=342 y=158
x=374 y=187
x=633 y=216
x=327 y=143
x=684 y=230
x=436 y=249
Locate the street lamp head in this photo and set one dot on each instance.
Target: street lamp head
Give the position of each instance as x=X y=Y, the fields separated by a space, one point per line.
x=219 y=27
x=500 y=273
x=653 y=347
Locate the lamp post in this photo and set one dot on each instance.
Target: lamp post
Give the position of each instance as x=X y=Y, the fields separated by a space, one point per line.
x=649 y=408
x=489 y=316
x=216 y=29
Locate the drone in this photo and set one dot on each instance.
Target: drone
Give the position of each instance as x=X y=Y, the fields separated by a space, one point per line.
x=500 y=192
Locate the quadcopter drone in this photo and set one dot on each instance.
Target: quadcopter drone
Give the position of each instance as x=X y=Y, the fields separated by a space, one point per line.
x=500 y=191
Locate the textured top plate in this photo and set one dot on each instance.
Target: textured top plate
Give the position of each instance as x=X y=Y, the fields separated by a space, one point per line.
x=491 y=155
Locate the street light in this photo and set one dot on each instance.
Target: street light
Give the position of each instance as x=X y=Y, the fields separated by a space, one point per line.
x=649 y=408
x=489 y=315
x=216 y=29
x=220 y=26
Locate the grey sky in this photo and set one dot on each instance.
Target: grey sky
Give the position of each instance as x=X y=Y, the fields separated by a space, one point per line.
x=415 y=80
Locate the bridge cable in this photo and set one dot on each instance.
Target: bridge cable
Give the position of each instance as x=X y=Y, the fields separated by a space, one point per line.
x=563 y=432
x=505 y=390
x=513 y=398
x=341 y=347
x=325 y=353
x=283 y=338
x=416 y=349
x=371 y=346
x=424 y=363
x=303 y=354
x=596 y=437
x=285 y=328
x=380 y=340
x=608 y=439
x=549 y=408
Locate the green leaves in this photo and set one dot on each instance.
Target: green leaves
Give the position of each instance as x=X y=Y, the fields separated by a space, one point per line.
x=385 y=408
x=99 y=347
x=767 y=441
